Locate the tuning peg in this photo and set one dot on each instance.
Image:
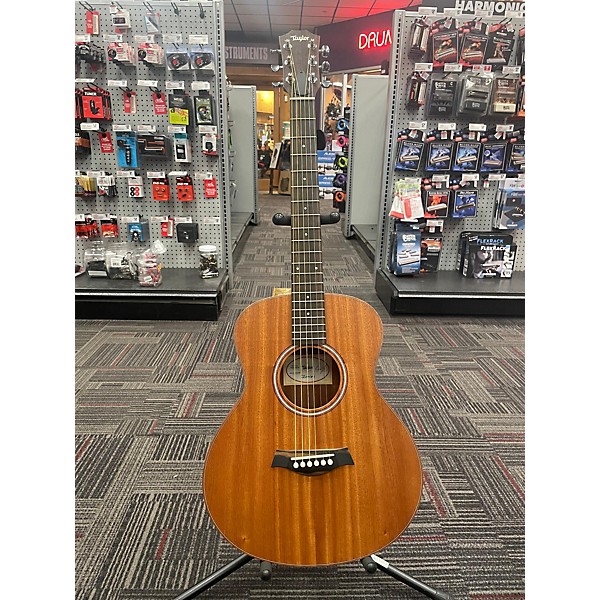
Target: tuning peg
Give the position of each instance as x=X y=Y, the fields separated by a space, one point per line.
x=313 y=78
x=325 y=67
x=276 y=68
x=324 y=50
x=326 y=83
x=277 y=84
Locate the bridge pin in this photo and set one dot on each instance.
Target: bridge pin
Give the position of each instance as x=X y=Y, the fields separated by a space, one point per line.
x=330 y=461
x=302 y=464
x=323 y=462
x=309 y=463
x=295 y=465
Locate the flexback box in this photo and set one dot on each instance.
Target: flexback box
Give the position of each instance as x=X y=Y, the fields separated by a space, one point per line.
x=485 y=261
x=479 y=237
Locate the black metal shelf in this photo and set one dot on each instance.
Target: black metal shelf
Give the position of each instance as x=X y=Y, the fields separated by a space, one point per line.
x=448 y=292
x=182 y=295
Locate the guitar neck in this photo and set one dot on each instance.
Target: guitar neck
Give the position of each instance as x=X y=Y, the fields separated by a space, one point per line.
x=308 y=307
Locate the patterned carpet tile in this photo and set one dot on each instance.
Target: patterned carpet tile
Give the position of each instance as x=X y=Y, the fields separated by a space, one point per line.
x=150 y=397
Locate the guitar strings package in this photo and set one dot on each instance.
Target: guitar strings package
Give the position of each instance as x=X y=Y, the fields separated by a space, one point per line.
x=405 y=250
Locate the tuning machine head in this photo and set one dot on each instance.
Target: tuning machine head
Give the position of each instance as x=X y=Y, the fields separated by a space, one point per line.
x=324 y=50
x=325 y=66
x=326 y=82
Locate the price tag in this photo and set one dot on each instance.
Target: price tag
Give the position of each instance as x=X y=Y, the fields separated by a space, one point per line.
x=90 y=126
x=485 y=14
x=85 y=80
x=155 y=174
x=80 y=217
x=77 y=173
x=439 y=177
x=95 y=174
x=113 y=37
x=481 y=68
x=453 y=68
x=511 y=70
x=452 y=12
x=446 y=126
x=98 y=216
x=497 y=176
x=178 y=173
x=470 y=177
x=426 y=67
x=147 y=82
x=156 y=219
x=211 y=220
x=207 y=129
x=514 y=14
x=121 y=127
x=144 y=39
x=505 y=127
x=172 y=38
x=83 y=38
x=200 y=85
x=133 y=219
x=176 y=129
x=427 y=10
x=417 y=125
x=198 y=39
x=517 y=183
x=477 y=127
x=125 y=173
x=175 y=85
x=183 y=219
x=117 y=83
x=146 y=128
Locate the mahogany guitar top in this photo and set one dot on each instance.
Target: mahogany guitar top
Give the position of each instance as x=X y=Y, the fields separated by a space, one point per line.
x=283 y=516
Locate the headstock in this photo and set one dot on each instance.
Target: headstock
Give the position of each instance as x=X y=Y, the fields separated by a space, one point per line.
x=300 y=62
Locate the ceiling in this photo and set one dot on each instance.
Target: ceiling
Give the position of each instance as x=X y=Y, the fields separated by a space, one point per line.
x=265 y=20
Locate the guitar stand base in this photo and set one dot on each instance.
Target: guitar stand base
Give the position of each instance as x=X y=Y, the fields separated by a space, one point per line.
x=374 y=562
x=370 y=564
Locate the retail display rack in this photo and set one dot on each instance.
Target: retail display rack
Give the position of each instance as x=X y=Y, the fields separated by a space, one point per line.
x=145 y=92
x=368 y=218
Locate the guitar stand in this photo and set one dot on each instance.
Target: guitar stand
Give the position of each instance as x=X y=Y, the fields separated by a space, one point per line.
x=370 y=564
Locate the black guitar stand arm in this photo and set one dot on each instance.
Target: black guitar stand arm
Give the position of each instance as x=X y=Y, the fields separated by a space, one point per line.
x=330 y=219
x=374 y=562
x=370 y=564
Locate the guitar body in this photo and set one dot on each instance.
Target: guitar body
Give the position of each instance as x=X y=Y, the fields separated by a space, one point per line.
x=287 y=517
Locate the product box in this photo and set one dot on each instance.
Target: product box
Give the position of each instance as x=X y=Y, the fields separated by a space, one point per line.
x=465 y=204
x=488 y=260
x=479 y=237
x=405 y=250
x=408 y=155
x=466 y=157
x=436 y=203
x=431 y=249
x=180 y=107
x=510 y=209
x=439 y=156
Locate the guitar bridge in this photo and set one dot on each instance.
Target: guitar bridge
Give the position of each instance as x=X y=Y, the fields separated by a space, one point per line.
x=314 y=462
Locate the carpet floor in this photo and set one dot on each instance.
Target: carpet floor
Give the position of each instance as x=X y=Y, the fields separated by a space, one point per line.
x=150 y=396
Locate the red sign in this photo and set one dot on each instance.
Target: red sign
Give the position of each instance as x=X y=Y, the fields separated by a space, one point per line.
x=374 y=39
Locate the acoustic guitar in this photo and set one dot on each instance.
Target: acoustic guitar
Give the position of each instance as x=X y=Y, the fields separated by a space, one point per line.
x=311 y=466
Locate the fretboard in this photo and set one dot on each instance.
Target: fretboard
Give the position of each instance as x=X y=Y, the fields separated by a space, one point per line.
x=308 y=306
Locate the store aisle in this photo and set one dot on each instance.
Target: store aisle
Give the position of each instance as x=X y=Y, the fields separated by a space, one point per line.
x=151 y=395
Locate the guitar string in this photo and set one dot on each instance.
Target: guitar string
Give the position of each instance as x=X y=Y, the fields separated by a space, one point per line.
x=308 y=154
x=294 y=93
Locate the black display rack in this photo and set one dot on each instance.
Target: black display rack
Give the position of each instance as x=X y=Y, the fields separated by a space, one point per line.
x=182 y=295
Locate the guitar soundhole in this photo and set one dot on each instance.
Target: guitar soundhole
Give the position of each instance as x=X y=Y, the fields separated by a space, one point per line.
x=309 y=379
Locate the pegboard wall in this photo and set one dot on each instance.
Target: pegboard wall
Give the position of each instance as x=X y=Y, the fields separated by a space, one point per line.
x=212 y=215
x=399 y=116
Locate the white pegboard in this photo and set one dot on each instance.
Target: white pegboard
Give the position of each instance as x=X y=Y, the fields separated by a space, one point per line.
x=399 y=116
x=193 y=19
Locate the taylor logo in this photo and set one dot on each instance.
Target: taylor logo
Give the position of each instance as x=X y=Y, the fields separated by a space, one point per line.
x=299 y=38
